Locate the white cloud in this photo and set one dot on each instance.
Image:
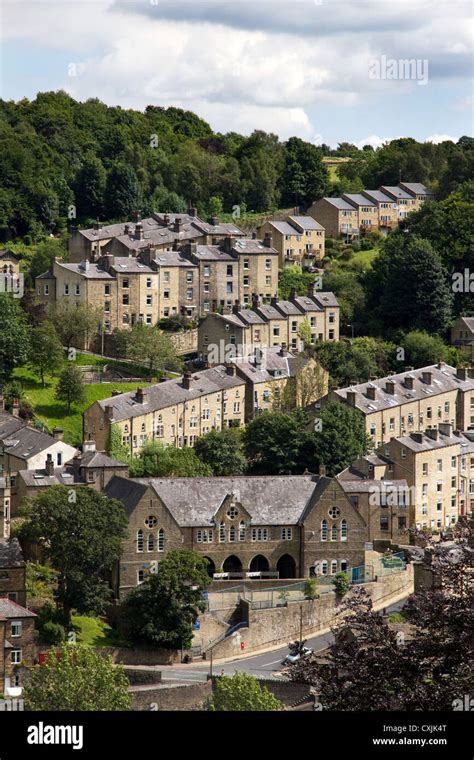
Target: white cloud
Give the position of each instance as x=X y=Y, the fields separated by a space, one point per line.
x=440 y=138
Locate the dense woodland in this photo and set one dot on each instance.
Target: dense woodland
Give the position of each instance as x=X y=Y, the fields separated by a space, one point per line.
x=108 y=161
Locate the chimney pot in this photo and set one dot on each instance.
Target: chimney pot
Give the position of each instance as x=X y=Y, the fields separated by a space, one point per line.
x=268 y=240
x=187 y=377
x=351 y=397
x=140 y=395
x=427 y=377
x=49 y=465
x=462 y=373
x=58 y=434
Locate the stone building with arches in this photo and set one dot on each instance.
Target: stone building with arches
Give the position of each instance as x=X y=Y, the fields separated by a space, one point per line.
x=285 y=527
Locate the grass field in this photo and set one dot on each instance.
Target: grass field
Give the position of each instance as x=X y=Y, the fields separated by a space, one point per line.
x=366 y=257
x=95 y=632
x=52 y=413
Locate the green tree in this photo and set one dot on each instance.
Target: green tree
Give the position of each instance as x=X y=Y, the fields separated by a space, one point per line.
x=143 y=343
x=163 y=610
x=77 y=679
x=222 y=451
x=122 y=192
x=422 y=349
x=46 y=352
x=44 y=254
x=242 y=693
x=277 y=443
x=158 y=461
x=70 y=386
x=341 y=437
x=74 y=324
x=14 y=335
x=304 y=333
x=89 y=187
x=408 y=286
x=293 y=278
x=305 y=177
x=81 y=532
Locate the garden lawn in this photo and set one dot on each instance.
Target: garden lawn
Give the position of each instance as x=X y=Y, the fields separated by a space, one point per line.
x=52 y=413
x=95 y=632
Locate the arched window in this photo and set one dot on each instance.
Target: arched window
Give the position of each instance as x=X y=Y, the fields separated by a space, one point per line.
x=140 y=541
x=334 y=533
x=150 y=543
x=242 y=531
x=232 y=533
x=343 y=530
x=143 y=427
x=324 y=567
x=140 y=576
x=333 y=566
x=222 y=533
x=324 y=530
x=161 y=540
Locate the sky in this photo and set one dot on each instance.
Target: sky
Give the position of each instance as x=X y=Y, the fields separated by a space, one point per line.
x=323 y=70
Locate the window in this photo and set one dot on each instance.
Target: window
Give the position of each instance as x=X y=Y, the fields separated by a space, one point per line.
x=343 y=530
x=166 y=294
x=161 y=540
x=242 y=531
x=232 y=513
x=16 y=656
x=148 y=282
x=259 y=534
x=453 y=462
x=205 y=536
x=205 y=271
x=324 y=530
x=59 y=458
x=439 y=465
x=78 y=289
x=424 y=468
x=268 y=280
x=286 y=534
x=149 y=300
x=384 y=523
x=125 y=299
x=140 y=576
x=221 y=533
x=66 y=289
x=324 y=567
x=334 y=512
x=140 y=541
x=268 y=263
x=246 y=265
x=150 y=544
x=16 y=628
x=334 y=533
x=107 y=307
x=125 y=282
x=229 y=287
x=206 y=287
x=333 y=566
x=343 y=565
x=107 y=290
x=46 y=290
x=230 y=270
x=189 y=294
x=232 y=533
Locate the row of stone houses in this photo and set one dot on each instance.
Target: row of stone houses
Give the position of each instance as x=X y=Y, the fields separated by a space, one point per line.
x=381 y=209
x=155 y=284
x=299 y=240
x=270 y=324
x=177 y=412
x=411 y=401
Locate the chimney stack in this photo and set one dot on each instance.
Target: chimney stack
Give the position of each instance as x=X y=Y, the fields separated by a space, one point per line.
x=192 y=211
x=441 y=364
x=186 y=382
x=418 y=437
x=254 y=235
x=462 y=373
x=177 y=224
x=390 y=387
x=139 y=231
x=371 y=392
x=446 y=428
x=58 y=434
x=427 y=377
x=214 y=220
x=282 y=350
x=49 y=465
x=268 y=240
x=140 y=396
x=230 y=369
x=409 y=381
x=433 y=433
x=351 y=397
x=322 y=470
x=273 y=301
x=15 y=407
x=256 y=302
x=88 y=446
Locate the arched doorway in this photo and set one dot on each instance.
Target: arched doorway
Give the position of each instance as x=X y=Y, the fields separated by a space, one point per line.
x=286 y=566
x=211 y=567
x=259 y=564
x=232 y=565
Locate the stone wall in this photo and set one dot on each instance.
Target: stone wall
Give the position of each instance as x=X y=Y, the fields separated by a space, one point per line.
x=141 y=656
x=270 y=628
x=185 y=342
x=171 y=696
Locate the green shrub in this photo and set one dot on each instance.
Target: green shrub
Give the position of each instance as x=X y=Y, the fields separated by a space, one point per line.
x=52 y=633
x=341 y=583
x=311 y=589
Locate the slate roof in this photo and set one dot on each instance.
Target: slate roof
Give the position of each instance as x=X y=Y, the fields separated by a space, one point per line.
x=326 y=298
x=98 y=459
x=250 y=246
x=223 y=228
x=9 y=255
x=378 y=196
x=172 y=259
x=417 y=188
x=426 y=443
x=340 y=204
x=162 y=395
x=469 y=322
x=93 y=272
x=10 y=553
x=62 y=476
x=212 y=253
x=125 y=264
x=307 y=222
x=367 y=485
x=26 y=442
x=9 y=424
x=397 y=192
x=284 y=227
x=358 y=199
x=116 y=230
x=443 y=379
x=270 y=500
x=271 y=362
x=10 y=609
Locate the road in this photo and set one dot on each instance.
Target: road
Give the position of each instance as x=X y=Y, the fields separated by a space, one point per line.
x=266 y=665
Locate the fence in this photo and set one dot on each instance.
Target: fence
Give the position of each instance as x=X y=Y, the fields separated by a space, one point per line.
x=258 y=598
